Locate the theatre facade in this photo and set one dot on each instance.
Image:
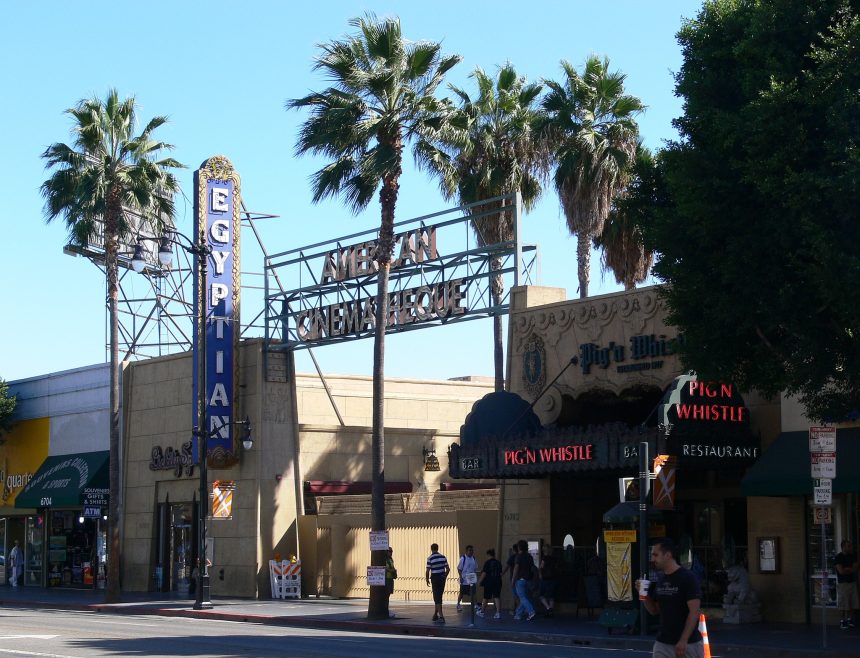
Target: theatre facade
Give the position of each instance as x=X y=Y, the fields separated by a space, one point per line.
x=597 y=377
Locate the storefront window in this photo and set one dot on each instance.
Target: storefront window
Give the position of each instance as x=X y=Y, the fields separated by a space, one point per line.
x=33 y=550
x=71 y=550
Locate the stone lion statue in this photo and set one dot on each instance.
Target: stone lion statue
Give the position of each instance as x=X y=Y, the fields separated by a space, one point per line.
x=739 y=589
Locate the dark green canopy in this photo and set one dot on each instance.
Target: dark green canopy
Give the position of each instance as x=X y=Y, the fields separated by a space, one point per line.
x=784 y=468
x=69 y=481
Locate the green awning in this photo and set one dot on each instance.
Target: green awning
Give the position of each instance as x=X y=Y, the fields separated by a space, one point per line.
x=69 y=481
x=784 y=468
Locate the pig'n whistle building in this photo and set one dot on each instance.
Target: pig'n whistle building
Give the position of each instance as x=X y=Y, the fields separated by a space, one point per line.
x=598 y=376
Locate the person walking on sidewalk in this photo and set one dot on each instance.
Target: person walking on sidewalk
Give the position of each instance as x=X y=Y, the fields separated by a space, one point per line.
x=846 y=584
x=16 y=564
x=437 y=574
x=677 y=598
x=524 y=572
x=491 y=579
x=467 y=565
x=546 y=572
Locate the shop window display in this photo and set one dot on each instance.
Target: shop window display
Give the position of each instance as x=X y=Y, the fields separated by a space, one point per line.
x=33 y=550
x=71 y=550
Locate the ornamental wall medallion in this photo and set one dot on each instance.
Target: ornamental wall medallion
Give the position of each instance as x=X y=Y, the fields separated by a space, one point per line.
x=534 y=366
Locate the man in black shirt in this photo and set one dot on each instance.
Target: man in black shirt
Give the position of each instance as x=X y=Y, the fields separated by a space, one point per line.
x=677 y=598
x=846 y=584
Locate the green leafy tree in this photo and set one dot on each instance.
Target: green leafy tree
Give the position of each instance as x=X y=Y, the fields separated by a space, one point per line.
x=381 y=98
x=105 y=172
x=622 y=244
x=7 y=407
x=593 y=125
x=759 y=250
x=495 y=150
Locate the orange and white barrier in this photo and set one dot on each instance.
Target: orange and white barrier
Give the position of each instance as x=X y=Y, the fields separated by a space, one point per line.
x=703 y=631
x=286 y=579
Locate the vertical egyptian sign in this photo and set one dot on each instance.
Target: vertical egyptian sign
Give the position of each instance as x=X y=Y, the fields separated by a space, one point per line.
x=217 y=201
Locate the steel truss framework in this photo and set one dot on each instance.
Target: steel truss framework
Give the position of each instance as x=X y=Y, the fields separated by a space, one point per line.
x=156 y=307
x=314 y=297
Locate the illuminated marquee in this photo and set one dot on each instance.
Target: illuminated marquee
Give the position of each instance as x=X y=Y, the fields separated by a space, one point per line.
x=711 y=401
x=217 y=203
x=568 y=453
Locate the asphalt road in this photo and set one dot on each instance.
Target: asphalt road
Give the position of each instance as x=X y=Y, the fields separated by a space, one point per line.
x=72 y=634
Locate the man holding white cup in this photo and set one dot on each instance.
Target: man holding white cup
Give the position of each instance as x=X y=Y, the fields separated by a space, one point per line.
x=677 y=598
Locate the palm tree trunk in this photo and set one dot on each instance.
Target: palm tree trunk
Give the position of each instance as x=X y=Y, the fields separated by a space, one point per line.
x=377 y=607
x=583 y=261
x=113 y=591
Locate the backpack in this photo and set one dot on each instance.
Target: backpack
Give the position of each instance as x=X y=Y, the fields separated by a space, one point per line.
x=493 y=569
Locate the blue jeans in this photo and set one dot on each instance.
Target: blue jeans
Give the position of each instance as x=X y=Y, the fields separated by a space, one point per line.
x=525 y=606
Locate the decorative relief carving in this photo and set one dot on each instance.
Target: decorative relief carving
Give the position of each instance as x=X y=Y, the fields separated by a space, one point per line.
x=549 y=406
x=534 y=366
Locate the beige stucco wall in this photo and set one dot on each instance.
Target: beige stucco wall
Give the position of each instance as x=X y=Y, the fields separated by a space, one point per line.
x=158 y=413
x=157 y=403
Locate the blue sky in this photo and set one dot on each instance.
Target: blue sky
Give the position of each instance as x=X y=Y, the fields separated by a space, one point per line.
x=221 y=72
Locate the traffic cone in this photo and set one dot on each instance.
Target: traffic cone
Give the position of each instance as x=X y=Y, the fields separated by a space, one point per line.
x=703 y=631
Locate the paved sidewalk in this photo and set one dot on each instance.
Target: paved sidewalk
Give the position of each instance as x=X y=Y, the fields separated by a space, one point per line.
x=751 y=641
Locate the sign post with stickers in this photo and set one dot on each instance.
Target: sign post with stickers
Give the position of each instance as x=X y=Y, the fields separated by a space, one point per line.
x=822 y=453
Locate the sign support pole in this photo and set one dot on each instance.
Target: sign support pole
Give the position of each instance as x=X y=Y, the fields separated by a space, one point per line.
x=825 y=590
x=643 y=528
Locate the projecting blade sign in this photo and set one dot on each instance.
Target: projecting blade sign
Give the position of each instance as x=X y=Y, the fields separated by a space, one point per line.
x=217 y=201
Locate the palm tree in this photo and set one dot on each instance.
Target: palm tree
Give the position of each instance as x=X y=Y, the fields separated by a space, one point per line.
x=624 y=250
x=382 y=97
x=592 y=123
x=496 y=151
x=106 y=171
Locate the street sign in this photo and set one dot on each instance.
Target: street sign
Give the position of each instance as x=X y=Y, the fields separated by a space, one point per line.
x=376 y=576
x=822 y=515
x=823 y=491
x=619 y=536
x=823 y=464
x=822 y=439
x=379 y=540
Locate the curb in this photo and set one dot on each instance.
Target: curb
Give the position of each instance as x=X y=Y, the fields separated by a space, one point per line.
x=420 y=630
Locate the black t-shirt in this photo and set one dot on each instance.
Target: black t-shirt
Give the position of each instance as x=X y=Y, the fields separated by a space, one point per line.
x=672 y=593
x=526 y=564
x=547 y=571
x=493 y=569
x=845 y=560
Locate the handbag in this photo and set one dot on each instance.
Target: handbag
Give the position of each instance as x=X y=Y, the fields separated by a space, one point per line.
x=393 y=574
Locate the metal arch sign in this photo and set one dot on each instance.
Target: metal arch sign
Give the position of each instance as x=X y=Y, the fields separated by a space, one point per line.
x=439 y=274
x=217 y=201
